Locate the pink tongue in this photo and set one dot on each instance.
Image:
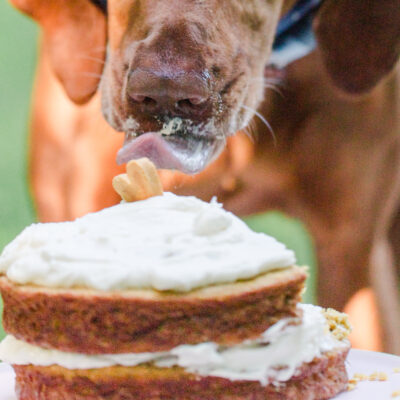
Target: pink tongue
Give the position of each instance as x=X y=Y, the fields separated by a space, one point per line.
x=154 y=147
x=189 y=155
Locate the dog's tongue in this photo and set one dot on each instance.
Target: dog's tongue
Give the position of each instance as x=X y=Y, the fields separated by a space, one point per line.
x=187 y=155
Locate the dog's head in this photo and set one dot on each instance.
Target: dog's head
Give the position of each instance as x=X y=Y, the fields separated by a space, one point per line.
x=180 y=76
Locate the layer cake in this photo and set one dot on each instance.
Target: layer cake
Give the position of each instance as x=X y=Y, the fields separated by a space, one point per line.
x=166 y=298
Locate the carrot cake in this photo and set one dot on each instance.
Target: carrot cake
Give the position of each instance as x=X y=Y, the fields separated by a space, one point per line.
x=165 y=298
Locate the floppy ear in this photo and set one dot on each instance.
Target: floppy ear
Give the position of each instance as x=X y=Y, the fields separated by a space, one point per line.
x=75 y=36
x=359 y=41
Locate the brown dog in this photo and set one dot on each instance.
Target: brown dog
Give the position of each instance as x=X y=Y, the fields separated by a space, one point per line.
x=182 y=76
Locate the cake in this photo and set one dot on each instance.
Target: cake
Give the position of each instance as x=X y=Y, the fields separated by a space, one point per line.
x=165 y=298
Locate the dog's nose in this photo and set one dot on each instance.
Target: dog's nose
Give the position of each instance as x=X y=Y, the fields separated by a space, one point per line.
x=182 y=94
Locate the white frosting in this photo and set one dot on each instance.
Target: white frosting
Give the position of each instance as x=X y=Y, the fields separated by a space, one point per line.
x=275 y=356
x=165 y=243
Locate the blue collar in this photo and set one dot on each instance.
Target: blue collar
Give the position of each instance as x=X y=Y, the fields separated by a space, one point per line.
x=294 y=37
x=101 y=4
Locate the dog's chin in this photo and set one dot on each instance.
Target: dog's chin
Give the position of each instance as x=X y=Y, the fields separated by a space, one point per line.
x=189 y=154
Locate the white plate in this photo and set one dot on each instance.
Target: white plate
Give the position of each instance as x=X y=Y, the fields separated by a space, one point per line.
x=368 y=362
x=364 y=362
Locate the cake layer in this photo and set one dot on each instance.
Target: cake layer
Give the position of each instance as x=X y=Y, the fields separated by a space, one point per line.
x=275 y=355
x=135 y=321
x=320 y=379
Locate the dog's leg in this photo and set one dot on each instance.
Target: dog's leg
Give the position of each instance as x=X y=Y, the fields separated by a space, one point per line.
x=342 y=261
x=387 y=292
x=385 y=256
x=351 y=234
x=385 y=272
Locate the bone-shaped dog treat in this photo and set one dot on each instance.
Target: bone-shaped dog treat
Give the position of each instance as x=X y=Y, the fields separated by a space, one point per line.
x=140 y=182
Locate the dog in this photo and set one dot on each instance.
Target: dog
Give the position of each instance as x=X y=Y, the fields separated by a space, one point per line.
x=181 y=77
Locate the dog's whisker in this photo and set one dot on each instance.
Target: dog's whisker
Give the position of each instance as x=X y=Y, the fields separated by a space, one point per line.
x=99 y=60
x=251 y=131
x=248 y=131
x=267 y=79
x=91 y=74
x=254 y=129
x=274 y=89
x=257 y=78
x=270 y=83
x=262 y=119
x=100 y=48
x=250 y=134
x=275 y=81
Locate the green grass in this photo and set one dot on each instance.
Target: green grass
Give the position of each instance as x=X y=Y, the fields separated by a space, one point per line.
x=295 y=236
x=17 y=61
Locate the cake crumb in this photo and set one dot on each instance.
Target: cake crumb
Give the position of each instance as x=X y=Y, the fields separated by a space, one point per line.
x=378 y=376
x=382 y=376
x=373 y=376
x=360 y=377
x=338 y=323
x=351 y=386
x=396 y=394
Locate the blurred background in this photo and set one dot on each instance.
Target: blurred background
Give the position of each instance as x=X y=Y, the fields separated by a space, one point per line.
x=17 y=63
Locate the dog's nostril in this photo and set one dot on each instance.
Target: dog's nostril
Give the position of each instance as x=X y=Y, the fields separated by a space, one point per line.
x=155 y=92
x=148 y=101
x=184 y=103
x=138 y=98
x=197 y=100
x=194 y=103
x=145 y=100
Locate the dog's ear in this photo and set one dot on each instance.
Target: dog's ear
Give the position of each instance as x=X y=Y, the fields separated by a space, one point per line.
x=359 y=41
x=75 y=36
